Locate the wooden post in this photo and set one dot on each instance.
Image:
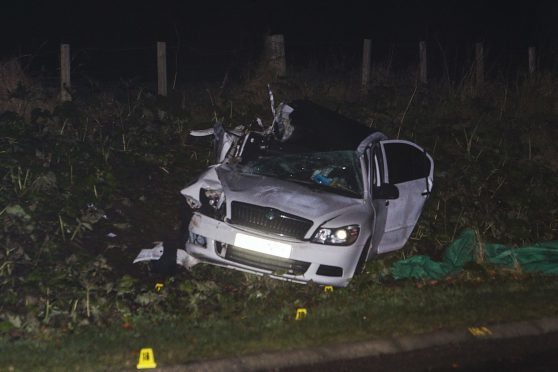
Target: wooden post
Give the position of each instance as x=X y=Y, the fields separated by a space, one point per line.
x=423 y=68
x=65 y=95
x=366 y=53
x=479 y=58
x=277 y=60
x=532 y=60
x=161 y=68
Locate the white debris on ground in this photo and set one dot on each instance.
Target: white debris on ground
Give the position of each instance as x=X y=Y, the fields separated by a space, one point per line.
x=155 y=253
x=151 y=254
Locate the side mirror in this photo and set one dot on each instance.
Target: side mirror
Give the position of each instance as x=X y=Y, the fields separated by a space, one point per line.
x=385 y=191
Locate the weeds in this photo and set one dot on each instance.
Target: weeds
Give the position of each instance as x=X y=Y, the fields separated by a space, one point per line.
x=78 y=172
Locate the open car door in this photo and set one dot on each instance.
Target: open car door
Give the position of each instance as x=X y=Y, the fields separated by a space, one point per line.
x=411 y=170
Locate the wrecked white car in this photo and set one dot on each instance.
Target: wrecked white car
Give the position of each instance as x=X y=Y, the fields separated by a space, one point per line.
x=310 y=198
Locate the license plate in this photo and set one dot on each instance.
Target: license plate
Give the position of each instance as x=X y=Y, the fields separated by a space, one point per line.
x=262 y=245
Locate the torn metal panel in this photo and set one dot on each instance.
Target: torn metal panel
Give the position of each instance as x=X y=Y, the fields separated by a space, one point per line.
x=224 y=140
x=282 y=127
x=150 y=254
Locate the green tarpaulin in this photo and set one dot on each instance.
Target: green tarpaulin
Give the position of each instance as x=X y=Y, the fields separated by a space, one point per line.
x=540 y=257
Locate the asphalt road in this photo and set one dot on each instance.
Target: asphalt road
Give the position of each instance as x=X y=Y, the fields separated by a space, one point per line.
x=519 y=346
x=535 y=353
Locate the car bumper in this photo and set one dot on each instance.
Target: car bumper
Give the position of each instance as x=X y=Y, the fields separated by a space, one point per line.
x=293 y=260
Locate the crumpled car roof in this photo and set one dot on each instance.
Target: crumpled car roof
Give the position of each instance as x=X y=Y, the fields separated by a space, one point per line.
x=317 y=129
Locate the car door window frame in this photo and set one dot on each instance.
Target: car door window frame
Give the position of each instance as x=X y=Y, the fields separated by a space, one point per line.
x=427 y=158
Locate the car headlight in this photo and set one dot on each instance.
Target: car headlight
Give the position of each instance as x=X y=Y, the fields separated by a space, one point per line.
x=345 y=235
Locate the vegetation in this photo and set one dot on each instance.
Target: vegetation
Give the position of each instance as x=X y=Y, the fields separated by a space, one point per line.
x=85 y=185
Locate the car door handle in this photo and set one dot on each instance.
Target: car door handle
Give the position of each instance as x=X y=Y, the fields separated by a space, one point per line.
x=426 y=193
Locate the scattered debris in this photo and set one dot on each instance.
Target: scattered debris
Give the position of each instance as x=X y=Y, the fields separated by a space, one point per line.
x=157 y=252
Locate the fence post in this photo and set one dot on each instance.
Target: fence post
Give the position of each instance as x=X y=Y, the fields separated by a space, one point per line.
x=277 y=60
x=532 y=60
x=161 y=68
x=423 y=70
x=479 y=58
x=65 y=95
x=366 y=53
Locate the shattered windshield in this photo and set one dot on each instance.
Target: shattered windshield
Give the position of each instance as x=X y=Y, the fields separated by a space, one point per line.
x=334 y=171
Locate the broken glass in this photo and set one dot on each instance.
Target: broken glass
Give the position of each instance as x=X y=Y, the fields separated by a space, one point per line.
x=334 y=171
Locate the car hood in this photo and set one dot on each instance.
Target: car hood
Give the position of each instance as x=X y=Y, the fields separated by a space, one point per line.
x=283 y=195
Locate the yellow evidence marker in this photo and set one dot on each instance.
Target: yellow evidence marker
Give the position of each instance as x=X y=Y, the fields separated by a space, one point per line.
x=158 y=287
x=301 y=313
x=328 y=288
x=146 y=359
x=480 y=331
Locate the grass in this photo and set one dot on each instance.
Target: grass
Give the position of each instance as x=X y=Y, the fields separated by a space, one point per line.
x=363 y=311
x=72 y=173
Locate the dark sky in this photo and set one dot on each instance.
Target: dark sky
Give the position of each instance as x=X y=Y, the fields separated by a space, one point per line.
x=27 y=24
x=111 y=39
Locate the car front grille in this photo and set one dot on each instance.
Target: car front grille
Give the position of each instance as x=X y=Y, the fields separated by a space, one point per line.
x=266 y=262
x=269 y=220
